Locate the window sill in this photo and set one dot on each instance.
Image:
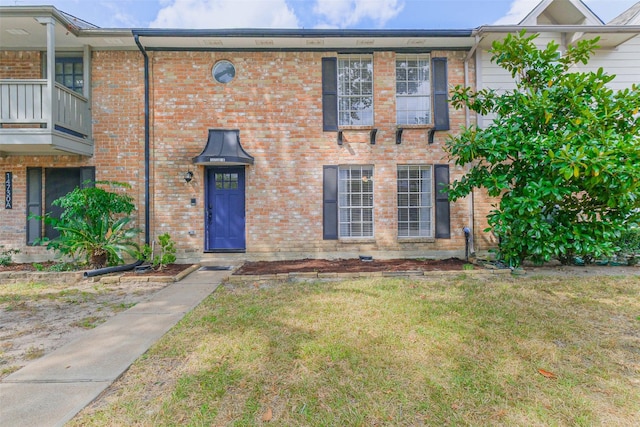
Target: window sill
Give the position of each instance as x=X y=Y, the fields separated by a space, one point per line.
x=356 y=240
x=355 y=128
x=407 y=127
x=416 y=240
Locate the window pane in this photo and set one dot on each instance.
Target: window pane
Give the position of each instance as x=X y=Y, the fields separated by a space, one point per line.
x=413 y=89
x=355 y=201
x=355 y=90
x=414 y=201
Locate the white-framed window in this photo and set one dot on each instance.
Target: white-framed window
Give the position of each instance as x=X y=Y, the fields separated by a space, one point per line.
x=355 y=201
x=415 y=201
x=413 y=89
x=355 y=90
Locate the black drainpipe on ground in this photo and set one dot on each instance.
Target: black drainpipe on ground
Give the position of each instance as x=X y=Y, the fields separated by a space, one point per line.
x=113 y=269
x=147 y=214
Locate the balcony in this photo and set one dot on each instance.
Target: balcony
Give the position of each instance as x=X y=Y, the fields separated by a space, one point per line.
x=35 y=120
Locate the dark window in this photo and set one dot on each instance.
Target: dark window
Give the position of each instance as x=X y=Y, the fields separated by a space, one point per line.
x=57 y=183
x=70 y=73
x=226 y=181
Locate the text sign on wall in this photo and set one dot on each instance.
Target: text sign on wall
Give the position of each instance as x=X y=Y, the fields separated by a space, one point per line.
x=8 y=188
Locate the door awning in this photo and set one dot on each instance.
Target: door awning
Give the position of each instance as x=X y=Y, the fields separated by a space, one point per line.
x=223 y=148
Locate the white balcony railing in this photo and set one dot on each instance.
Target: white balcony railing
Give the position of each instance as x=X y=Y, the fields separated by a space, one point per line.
x=24 y=103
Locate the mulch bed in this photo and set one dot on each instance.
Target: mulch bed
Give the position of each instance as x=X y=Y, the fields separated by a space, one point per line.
x=350 y=265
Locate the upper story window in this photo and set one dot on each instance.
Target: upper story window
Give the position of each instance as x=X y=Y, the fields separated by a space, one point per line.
x=413 y=90
x=355 y=90
x=70 y=73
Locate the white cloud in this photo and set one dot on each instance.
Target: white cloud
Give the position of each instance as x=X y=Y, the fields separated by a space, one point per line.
x=346 y=13
x=519 y=9
x=225 y=14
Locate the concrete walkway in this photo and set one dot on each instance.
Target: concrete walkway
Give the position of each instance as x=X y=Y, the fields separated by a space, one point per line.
x=50 y=391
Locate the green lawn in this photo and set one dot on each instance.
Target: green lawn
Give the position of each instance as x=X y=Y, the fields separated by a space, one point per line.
x=402 y=352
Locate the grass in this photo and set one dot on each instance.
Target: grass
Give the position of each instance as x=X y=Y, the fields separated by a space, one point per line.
x=34 y=352
x=88 y=322
x=402 y=352
x=17 y=293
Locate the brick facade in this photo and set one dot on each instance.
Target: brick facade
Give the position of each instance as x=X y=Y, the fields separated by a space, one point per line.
x=275 y=101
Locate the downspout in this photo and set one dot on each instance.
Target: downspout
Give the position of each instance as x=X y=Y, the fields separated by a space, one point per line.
x=470 y=229
x=147 y=209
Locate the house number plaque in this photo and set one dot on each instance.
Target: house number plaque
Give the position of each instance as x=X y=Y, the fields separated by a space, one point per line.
x=8 y=188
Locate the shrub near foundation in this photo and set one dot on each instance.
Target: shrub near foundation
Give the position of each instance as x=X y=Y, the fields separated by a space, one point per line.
x=95 y=226
x=161 y=255
x=562 y=154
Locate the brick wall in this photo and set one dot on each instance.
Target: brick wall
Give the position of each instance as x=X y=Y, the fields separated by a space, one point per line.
x=20 y=65
x=118 y=130
x=275 y=101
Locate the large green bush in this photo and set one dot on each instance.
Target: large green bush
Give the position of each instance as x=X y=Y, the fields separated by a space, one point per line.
x=562 y=154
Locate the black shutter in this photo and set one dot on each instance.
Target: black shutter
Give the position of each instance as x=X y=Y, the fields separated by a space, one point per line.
x=330 y=203
x=440 y=94
x=329 y=94
x=34 y=204
x=443 y=226
x=87 y=177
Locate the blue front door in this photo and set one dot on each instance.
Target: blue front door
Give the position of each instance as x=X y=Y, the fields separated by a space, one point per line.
x=225 y=225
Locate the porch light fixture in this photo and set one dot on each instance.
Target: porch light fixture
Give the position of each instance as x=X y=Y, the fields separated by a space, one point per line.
x=188 y=177
x=339 y=137
x=399 y=135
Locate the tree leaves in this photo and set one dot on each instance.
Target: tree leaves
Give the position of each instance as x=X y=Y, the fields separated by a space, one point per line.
x=562 y=153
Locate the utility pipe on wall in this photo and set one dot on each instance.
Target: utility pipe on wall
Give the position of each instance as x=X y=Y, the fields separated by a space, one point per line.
x=147 y=209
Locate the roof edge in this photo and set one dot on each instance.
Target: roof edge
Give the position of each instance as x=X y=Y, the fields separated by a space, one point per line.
x=296 y=33
x=604 y=29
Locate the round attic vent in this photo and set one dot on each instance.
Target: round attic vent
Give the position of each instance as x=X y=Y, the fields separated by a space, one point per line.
x=223 y=71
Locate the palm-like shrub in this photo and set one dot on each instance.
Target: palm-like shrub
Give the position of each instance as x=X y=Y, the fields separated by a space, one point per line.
x=95 y=225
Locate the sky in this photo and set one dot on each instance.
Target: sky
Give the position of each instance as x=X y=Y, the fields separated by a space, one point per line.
x=317 y=14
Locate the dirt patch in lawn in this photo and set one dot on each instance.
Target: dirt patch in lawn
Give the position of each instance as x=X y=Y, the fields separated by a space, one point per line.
x=349 y=265
x=37 y=318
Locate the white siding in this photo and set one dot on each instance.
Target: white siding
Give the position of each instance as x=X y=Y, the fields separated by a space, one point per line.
x=623 y=61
